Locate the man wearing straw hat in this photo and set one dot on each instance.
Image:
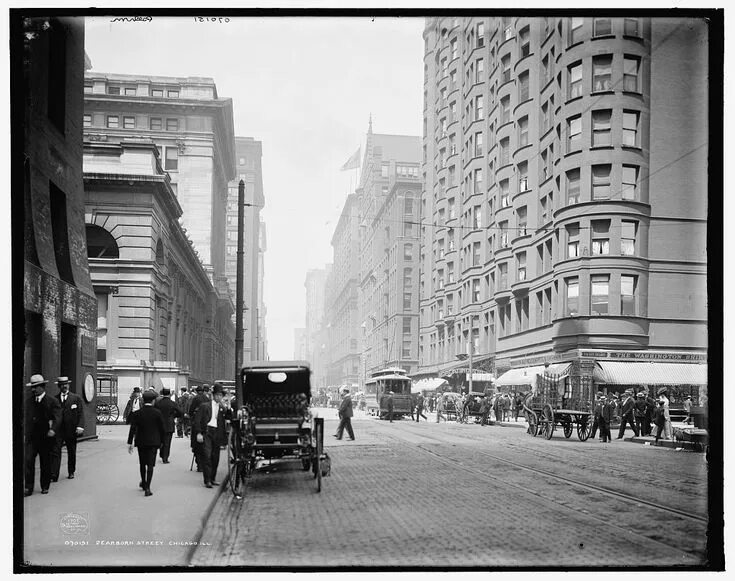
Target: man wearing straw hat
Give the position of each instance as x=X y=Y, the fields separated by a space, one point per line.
x=71 y=427
x=42 y=419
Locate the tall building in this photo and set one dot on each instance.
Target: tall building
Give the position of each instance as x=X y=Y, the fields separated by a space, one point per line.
x=248 y=154
x=161 y=321
x=565 y=164
x=342 y=309
x=388 y=196
x=316 y=346
x=300 y=352
x=59 y=308
x=193 y=130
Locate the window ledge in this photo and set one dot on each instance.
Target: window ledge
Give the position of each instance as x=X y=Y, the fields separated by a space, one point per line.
x=602 y=147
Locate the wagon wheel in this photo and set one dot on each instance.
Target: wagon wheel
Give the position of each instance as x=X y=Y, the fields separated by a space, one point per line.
x=532 y=424
x=568 y=429
x=237 y=466
x=103 y=413
x=319 y=436
x=114 y=413
x=583 y=428
x=548 y=422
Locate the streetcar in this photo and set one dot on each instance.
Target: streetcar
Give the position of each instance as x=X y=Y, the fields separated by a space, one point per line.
x=274 y=422
x=380 y=383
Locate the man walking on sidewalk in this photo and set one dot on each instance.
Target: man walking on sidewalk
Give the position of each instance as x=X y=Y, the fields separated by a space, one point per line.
x=605 y=419
x=627 y=414
x=71 y=427
x=210 y=433
x=169 y=410
x=42 y=419
x=146 y=428
x=345 y=415
x=182 y=425
x=420 y=407
x=194 y=404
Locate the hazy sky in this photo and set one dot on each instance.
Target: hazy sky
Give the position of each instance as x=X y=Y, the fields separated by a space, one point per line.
x=305 y=87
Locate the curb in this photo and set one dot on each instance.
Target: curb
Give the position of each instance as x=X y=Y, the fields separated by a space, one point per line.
x=205 y=517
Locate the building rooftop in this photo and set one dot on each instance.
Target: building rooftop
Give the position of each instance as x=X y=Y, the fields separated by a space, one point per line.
x=397 y=147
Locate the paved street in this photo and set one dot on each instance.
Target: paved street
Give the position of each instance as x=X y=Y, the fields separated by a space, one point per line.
x=444 y=495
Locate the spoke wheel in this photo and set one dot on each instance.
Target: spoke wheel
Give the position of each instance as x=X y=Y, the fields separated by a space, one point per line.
x=548 y=421
x=532 y=424
x=568 y=429
x=114 y=413
x=583 y=428
x=103 y=413
x=237 y=478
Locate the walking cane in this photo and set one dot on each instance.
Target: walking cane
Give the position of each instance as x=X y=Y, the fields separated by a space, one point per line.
x=191 y=468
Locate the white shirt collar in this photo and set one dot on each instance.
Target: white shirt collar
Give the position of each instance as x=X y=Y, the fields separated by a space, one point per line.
x=40 y=397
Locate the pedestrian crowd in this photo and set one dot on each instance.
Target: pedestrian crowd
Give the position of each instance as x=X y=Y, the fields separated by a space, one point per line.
x=640 y=412
x=51 y=422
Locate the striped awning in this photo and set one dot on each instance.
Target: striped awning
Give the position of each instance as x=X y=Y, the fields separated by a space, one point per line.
x=520 y=376
x=650 y=373
x=428 y=384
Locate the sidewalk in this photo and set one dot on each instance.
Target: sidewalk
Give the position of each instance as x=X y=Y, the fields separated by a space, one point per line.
x=101 y=518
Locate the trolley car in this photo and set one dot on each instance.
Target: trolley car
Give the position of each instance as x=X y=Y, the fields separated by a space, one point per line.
x=395 y=380
x=274 y=422
x=558 y=400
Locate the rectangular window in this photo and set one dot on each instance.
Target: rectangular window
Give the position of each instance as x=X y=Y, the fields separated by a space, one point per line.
x=503 y=276
x=478 y=181
x=600 y=237
x=87 y=120
x=88 y=89
x=628 y=295
x=601 y=128
x=113 y=121
x=602 y=26
x=522 y=216
x=156 y=123
x=574 y=133
x=523 y=87
x=157 y=93
x=408 y=229
x=523 y=131
x=503 y=232
x=521 y=260
x=479 y=71
x=453 y=46
x=172 y=124
x=545 y=117
x=172 y=158
x=477 y=217
x=575 y=30
x=173 y=94
x=629 y=189
x=129 y=122
x=475 y=254
x=475 y=290
x=504 y=186
x=480 y=34
x=478 y=143
x=479 y=107
x=573 y=186
x=601 y=181
x=572 y=240
x=523 y=176
x=505 y=69
x=627 y=238
x=113 y=90
x=525 y=37
x=600 y=294
x=507 y=28
x=630 y=128
x=406 y=301
x=630 y=74
x=131 y=91
x=571 y=307
x=505 y=151
x=575 y=81
x=408 y=252
x=602 y=73
x=505 y=110
x=632 y=27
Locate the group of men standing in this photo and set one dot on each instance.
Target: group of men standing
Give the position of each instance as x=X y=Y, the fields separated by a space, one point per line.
x=152 y=427
x=639 y=411
x=49 y=424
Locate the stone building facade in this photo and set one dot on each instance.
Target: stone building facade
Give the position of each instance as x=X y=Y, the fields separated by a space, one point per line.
x=161 y=321
x=58 y=300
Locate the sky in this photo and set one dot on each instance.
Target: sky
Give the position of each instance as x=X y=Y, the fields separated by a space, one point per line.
x=305 y=87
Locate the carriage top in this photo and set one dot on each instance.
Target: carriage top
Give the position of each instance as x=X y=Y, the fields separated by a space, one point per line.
x=269 y=377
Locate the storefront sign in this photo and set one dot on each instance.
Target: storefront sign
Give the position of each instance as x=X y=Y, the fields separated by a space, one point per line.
x=644 y=355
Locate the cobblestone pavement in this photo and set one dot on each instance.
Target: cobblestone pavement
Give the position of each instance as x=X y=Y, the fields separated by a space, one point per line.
x=443 y=495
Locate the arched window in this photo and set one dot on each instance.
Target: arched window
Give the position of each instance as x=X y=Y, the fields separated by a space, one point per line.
x=100 y=243
x=159 y=252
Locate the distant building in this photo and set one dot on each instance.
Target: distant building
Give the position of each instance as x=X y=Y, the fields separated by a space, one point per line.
x=248 y=153
x=565 y=198
x=59 y=308
x=316 y=345
x=300 y=352
x=389 y=195
x=161 y=321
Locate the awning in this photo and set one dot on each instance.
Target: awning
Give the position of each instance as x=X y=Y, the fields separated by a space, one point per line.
x=428 y=384
x=482 y=376
x=650 y=373
x=520 y=376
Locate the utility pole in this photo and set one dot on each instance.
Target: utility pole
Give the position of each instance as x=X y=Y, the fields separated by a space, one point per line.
x=239 y=291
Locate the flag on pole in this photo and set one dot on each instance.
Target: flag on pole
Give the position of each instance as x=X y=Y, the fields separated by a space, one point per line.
x=353 y=162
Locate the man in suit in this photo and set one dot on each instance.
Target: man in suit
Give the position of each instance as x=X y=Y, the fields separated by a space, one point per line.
x=169 y=410
x=148 y=432
x=389 y=405
x=210 y=433
x=133 y=404
x=183 y=403
x=420 y=407
x=194 y=404
x=627 y=415
x=42 y=419
x=72 y=426
x=605 y=419
x=596 y=411
x=345 y=416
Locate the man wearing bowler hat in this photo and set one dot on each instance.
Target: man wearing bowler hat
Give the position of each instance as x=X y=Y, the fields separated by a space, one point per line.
x=194 y=404
x=72 y=426
x=210 y=433
x=169 y=410
x=42 y=419
x=148 y=433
